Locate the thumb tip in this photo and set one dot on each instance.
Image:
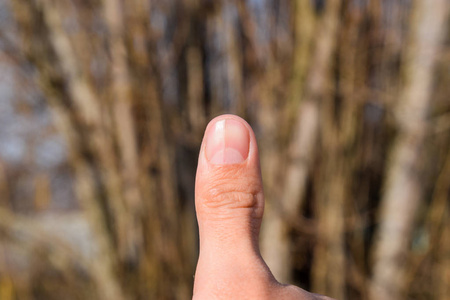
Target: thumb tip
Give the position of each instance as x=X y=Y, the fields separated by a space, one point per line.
x=228 y=163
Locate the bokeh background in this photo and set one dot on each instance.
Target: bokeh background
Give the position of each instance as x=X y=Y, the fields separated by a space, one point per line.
x=102 y=110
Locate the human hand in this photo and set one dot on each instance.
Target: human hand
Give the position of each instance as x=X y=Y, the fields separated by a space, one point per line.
x=229 y=202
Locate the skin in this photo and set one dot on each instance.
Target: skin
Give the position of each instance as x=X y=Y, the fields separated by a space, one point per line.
x=229 y=203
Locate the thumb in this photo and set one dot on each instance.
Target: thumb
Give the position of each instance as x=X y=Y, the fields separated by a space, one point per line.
x=228 y=190
x=229 y=202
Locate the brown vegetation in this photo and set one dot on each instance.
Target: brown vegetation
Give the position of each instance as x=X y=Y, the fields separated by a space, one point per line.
x=349 y=102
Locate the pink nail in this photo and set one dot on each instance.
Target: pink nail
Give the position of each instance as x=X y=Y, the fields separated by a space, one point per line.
x=227 y=142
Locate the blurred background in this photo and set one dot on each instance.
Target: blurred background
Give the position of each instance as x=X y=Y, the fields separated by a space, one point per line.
x=103 y=105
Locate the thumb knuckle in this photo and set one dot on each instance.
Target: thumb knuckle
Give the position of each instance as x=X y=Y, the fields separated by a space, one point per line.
x=233 y=199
